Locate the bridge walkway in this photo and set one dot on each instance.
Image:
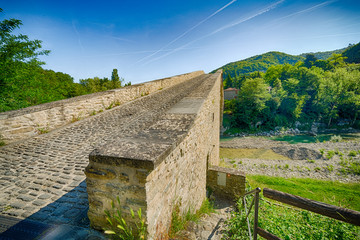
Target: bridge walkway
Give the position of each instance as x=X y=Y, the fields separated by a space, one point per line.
x=42 y=178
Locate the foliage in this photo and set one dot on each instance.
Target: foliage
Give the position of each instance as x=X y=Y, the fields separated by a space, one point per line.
x=258 y=64
x=336 y=138
x=180 y=220
x=352 y=53
x=350 y=165
x=286 y=94
x=122 y=230
x=24 y=83
x=289 y=223
x=323 y=55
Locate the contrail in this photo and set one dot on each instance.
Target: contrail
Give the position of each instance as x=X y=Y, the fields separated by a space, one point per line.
x=189 y=30
x=309 y=9
x=269 y=8
x=262 y=11
x=78 y=36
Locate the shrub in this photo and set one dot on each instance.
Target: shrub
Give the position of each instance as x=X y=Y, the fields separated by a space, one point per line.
x=336 y=138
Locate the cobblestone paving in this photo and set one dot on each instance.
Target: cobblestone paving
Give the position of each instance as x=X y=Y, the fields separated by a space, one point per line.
x=42 y=178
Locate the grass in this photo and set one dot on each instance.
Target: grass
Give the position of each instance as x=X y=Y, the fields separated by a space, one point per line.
x=266 y=154
x=340 y=194
x=292 y=223
x=180 y=220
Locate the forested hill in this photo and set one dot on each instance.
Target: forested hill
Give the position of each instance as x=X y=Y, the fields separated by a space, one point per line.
x=258 y=63
x=352 y=54
x=324 y=55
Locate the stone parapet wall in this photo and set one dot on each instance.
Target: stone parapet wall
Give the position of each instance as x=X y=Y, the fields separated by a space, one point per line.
x=162 y=165
x=227 y=183
x=20 y=124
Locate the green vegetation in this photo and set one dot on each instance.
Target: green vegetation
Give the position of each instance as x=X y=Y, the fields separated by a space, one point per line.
x=179 y=220
x=24 y=83
x=119 y=229
x=266 y=154
x=352 y=54
x=291 y=223
x=233 y=72
x=350 y=165
x=311 y=90
x=323 y=55
x=339 y=194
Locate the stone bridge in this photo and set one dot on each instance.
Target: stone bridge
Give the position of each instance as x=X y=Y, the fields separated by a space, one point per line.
x=153 y=145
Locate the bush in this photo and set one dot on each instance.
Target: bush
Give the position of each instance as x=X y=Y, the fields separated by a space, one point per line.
x=336 y=138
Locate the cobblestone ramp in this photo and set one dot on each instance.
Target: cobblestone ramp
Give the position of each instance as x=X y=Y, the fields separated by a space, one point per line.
x=42 y=178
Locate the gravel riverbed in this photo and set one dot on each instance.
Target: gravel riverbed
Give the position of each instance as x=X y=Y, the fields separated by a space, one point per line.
x=305 y=159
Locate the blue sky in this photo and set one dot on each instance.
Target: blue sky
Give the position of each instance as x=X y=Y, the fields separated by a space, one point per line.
x=147 y=40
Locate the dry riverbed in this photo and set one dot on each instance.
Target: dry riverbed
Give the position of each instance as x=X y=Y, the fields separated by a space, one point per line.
x=260 y=156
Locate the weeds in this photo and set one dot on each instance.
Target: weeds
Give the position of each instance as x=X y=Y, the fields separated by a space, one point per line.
x=2 y=142
x=330 y=168
x=353 y=153
x=110 y=106
x=350 y=165
x=179 y=221
x=122 y=230
x=310 y=161
x=330 y=154
x=75 y=118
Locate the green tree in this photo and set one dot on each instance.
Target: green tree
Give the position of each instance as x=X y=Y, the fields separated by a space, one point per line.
x=115 y=79
x=310 y=60
x=337 y=60
x=251 y=103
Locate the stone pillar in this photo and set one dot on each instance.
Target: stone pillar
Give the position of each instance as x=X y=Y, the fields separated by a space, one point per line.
x=109 y=177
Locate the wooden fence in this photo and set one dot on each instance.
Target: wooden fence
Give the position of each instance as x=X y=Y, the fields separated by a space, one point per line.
x=338 y=213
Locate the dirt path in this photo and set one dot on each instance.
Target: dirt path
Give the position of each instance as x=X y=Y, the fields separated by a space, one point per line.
x=307 y=160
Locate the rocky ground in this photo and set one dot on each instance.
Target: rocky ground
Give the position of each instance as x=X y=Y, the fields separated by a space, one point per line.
x=306 y=160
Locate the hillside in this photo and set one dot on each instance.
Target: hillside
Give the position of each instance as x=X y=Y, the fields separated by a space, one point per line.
x=324 y=55
x=353 y=54
x=258 y=63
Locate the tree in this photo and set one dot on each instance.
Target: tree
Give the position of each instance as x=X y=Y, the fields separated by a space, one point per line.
x=337 y=60
x=115 y=79
x=19 y=65
x=310 y=60
x=251 y=105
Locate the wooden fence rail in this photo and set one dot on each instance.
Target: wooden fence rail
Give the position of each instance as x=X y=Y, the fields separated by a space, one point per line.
x=342 y=214
x=338 y=213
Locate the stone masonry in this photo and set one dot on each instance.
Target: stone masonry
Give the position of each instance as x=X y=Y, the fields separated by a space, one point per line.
x=29 y=122
x=42 y=178
x=163 y=165
x=158 y=148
